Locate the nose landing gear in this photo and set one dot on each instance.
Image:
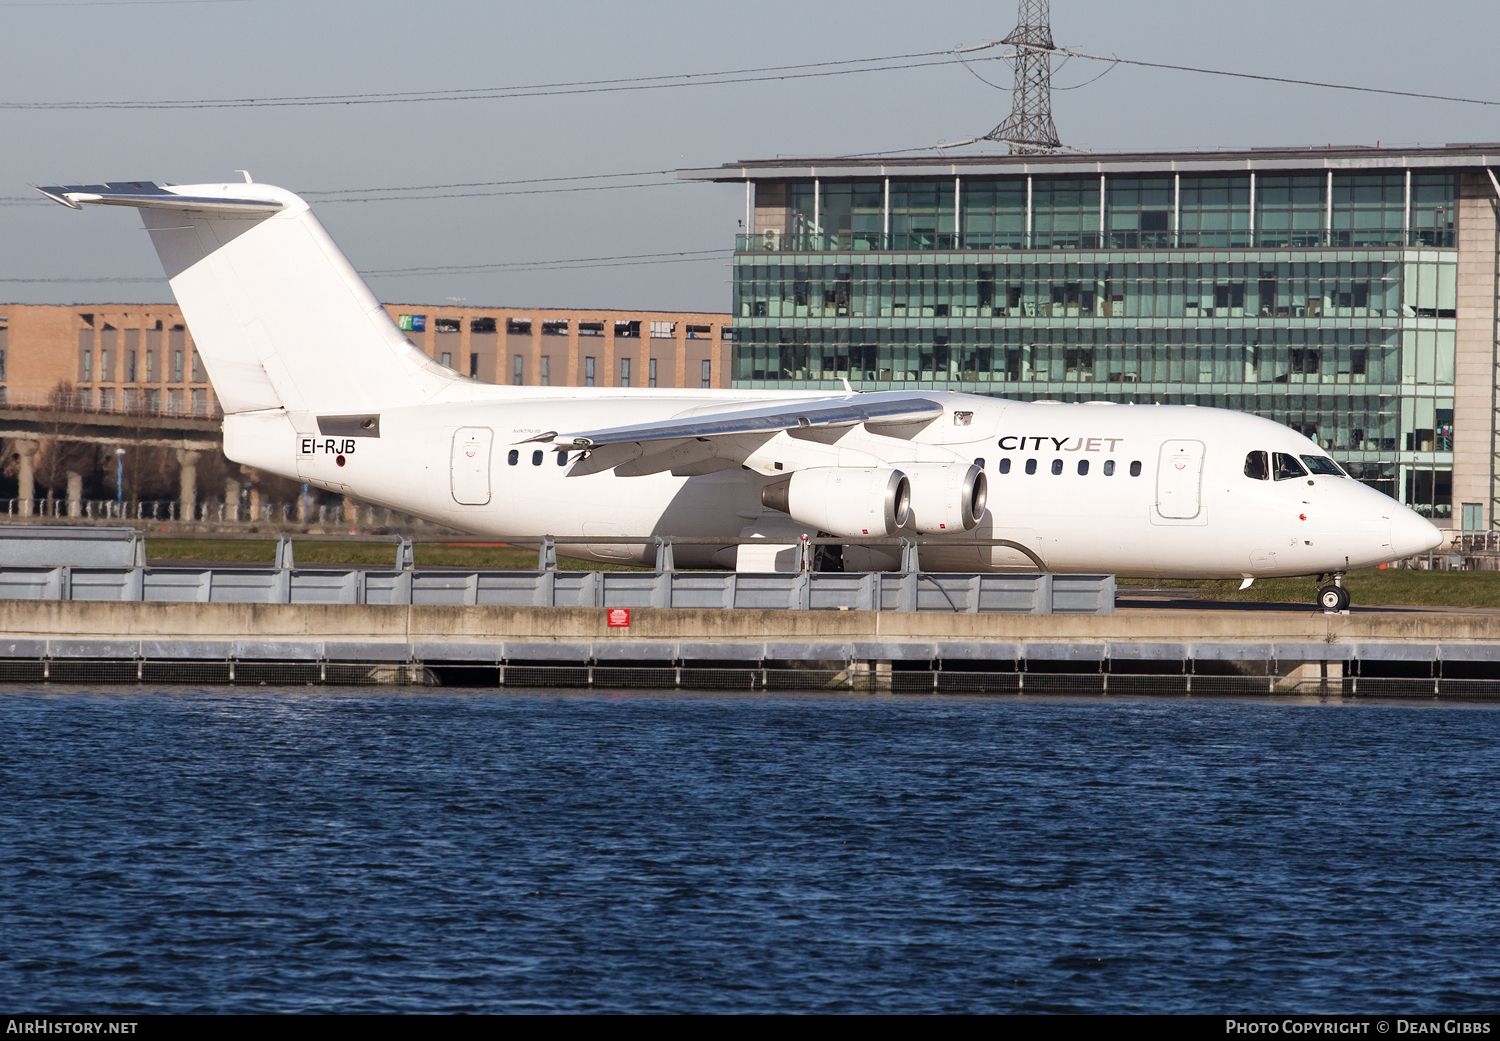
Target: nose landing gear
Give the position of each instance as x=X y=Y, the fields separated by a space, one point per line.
x=1333 y=597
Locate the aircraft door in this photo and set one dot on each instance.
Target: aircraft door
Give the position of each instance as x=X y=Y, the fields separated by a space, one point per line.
x=1179 y=480
x=471 y=465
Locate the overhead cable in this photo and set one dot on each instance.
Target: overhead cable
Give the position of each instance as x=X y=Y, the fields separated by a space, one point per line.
x=512 y=267
x=1267 y=79
x=688 y=79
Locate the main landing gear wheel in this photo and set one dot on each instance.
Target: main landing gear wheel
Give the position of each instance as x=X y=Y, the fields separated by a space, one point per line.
x=1333 y=598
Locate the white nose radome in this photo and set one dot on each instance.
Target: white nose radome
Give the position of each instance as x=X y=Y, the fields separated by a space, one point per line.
x=1412 y=534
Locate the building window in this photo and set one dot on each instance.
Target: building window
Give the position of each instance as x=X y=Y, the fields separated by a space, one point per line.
x=521 y=327
x=105 y=375
x=546 y=372
x=151 y=367
x=588 y=372
x=86 y=397
x=153 y=400
x=107 y=399
x=624 y=372
x=665 y=330
x=518 y=370
x=130 y=366
x=447 y=359
x=2 y=365
x=707 y=374
x=590 y=328
x=481 y=325
x=473 y=366
x=448 y=325
x=651 y=373
x=696 y=331
x=557 y=328
x=176 y=366
x=85 y=366
x=174 y=399
x=627 y=329
x=197 y=368
x=200 y=401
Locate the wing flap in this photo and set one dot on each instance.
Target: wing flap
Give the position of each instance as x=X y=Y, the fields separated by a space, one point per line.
x=885 y=409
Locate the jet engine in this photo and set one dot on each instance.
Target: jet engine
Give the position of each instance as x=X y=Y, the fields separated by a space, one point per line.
x=843 y=500
x=946 y=497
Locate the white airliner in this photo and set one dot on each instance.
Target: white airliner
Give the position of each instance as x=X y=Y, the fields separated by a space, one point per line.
x=319 y=385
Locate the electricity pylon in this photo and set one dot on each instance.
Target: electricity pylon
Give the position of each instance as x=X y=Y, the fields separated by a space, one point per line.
x=1029 y=127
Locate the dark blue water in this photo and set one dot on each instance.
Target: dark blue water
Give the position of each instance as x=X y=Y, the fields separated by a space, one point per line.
x=310 y=850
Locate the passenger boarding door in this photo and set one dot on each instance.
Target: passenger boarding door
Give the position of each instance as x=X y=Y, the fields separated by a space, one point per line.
x=471 y=465
x=1179 y=480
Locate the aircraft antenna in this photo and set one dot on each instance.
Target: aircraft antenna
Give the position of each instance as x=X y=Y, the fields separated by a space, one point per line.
x=1029 y=128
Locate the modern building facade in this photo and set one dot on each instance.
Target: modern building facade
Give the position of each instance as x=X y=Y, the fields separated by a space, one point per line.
x=1348 y=293
x=140 y=357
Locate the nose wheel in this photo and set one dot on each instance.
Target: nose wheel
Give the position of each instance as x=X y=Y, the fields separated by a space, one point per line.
x=1333 y=597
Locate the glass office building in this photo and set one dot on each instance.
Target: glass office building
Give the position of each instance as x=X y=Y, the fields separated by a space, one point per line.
x=1348 y=293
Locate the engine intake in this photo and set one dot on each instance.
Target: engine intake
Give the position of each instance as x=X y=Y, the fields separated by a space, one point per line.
x=843 y=500
x=946 y=497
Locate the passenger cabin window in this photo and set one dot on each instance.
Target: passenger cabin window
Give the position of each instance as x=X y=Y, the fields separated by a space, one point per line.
x=536 y=458
x=1031 y=466
x=1287 y=467
x=562 y=458
x=979 y=463
x=1056 y=467
x=514 y=457
x=1109 y=468
x=1322 y=466
x=1257 y=466
x=1135 y=468
x=1083 y=467
x=1005 y=466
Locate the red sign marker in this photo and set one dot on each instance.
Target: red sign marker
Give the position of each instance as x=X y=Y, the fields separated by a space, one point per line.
x=619 y=616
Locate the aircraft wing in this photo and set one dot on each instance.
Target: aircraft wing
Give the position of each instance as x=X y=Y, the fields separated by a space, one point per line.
x=846 y=410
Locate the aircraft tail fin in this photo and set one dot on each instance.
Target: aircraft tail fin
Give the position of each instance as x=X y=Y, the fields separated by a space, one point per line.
x=279 y=316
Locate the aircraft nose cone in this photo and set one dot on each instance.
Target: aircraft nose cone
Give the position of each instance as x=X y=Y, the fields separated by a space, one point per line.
x=1412 y=534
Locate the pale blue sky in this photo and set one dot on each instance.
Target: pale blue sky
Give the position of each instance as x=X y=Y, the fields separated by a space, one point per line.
x=69 y=51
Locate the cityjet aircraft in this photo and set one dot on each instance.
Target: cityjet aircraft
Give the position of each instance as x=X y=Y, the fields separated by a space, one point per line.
x=319 y=385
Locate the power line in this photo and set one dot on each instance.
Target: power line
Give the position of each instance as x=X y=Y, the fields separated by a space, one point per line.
x=692 y=253
x=1268 y=79
x=491 y=184
x=687 y=79
x=522 y=191
x=115 y=3
x=691 y=256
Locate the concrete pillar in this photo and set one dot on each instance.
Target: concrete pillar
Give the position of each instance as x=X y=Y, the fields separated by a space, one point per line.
x=231 y=499
x=26 y=452
x=187 y=463
x=75 y=494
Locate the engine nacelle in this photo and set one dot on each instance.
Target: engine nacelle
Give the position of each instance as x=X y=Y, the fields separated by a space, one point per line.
x=843 y=500
x=946 y=497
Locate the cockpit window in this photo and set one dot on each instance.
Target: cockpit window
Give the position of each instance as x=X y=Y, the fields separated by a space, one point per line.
x=1321 y=464
x=1287 y=467
x=1257 y=466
